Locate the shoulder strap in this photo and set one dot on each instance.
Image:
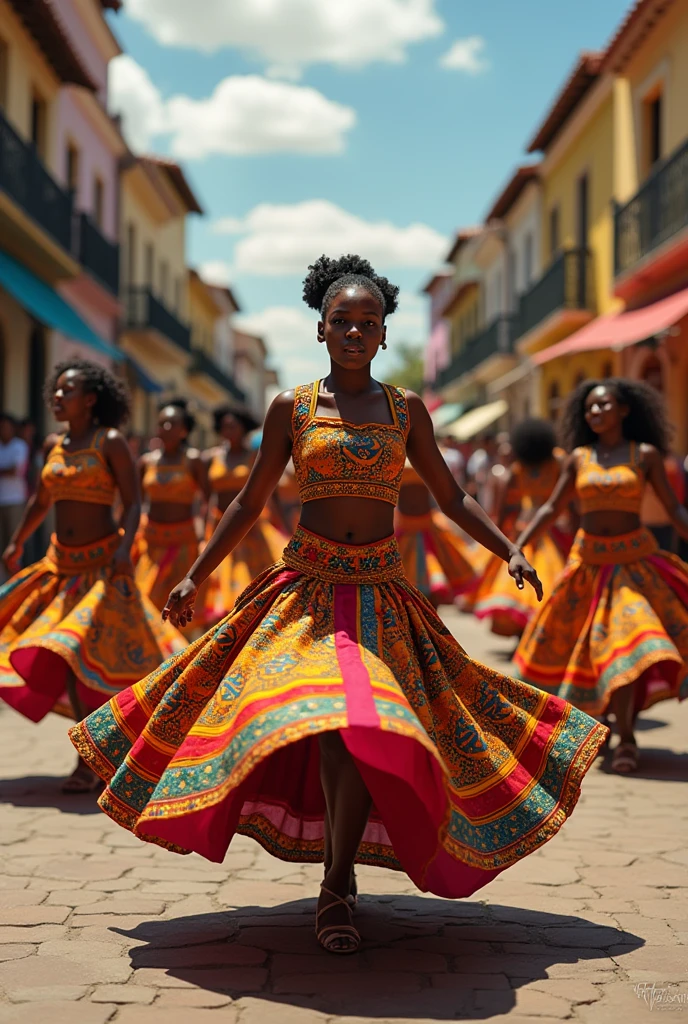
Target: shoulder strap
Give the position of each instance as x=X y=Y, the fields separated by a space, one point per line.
x=305 y=395
x=399 y=407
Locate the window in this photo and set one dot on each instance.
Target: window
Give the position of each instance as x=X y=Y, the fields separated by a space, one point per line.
x=652 y=129
x=607 y=370
x=580 y=377
x=554 y=401
x=39 y=112
x=164 y=279
x=582 y=198
x=527 y=260
x=177 y=296
x=131 y=255
x=72 y=169
x=4 y=73
x=98 y=200
x=149 y=265
x=554 y=236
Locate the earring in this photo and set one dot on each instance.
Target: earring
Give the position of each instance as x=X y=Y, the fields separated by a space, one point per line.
x=384 y=345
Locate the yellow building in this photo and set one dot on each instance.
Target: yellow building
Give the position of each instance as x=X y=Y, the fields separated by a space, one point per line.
x=155 y=201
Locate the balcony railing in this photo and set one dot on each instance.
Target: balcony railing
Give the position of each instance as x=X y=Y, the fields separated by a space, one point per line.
x=145 y=312
x=656 y=212
x=24 y=178
x=566 y=284
x=96 y=254
x=497 y=339
x=202 y=363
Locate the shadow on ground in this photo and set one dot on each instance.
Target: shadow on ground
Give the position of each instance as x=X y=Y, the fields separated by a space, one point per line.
x=662 y=765
x=421 y=958
x=46 y=791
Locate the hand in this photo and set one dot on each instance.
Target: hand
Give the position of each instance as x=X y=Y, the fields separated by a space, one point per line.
x=11 y=557
x=521 y=569
x=180 y=604
x=121 y=562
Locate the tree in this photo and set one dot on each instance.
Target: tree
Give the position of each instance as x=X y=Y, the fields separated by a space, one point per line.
x=407 y=370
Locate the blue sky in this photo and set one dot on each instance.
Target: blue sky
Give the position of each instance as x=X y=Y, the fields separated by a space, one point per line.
x=387 y=144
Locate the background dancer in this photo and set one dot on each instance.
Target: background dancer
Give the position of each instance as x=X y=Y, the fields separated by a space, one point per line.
x=229 y=465
x=614 y=631
x=74 y=629
x=173 y=478
x=529 y=481
x=333 y=686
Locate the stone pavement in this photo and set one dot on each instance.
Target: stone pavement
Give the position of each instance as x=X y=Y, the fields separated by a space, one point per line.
x=98 y=927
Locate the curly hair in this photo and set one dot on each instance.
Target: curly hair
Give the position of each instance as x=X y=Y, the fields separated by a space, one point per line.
x=113 y=401
x=183 y=406
x=533 y=441
x=326 y=277
x=247 y=421
x=645 y=423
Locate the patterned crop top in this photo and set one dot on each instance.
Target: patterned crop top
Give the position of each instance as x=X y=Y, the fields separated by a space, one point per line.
x=617 y=489
x=170 y=483
x=83 y=475
x=222 y=477
x=334 y=458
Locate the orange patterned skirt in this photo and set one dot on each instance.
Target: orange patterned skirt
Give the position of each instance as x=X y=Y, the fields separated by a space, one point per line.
x=618 y=615
x=436 y=559
x=498 y=597
x=261 y=547
x=167 y=552
x=69 y=613
x=468 y=770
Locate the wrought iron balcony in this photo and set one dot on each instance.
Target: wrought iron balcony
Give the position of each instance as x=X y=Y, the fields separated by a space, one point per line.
x=566 y=284
x=145 y=312
x=202 y=363
x=497 y=339
x=96 y=254
x=658 y=210
x=26 y=181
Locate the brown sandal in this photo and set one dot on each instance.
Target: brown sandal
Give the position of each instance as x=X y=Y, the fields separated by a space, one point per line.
x=330 y=933
x=625 y=759
x=83 y=780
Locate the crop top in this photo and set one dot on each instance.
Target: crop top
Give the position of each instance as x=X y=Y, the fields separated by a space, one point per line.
x=170 y=483
x=535 y=483
x=222 y=477
x=83 y=475
x=617 y=489
x=335 y=458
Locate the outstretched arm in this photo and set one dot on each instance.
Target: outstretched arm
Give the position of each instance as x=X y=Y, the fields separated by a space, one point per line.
x=118 y=455
x=427 y=460
x=560 y=497
x=657 y=477
x=242 y=512
x=33 y=515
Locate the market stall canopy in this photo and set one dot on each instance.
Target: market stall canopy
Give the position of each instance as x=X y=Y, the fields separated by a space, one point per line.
x=620 y=330
x=477 y=420
x=443 y=415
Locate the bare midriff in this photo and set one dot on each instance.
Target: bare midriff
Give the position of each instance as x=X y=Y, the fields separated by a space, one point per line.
x=169 y=511
x=608 y=523
x=349 y=520
x=83 y=522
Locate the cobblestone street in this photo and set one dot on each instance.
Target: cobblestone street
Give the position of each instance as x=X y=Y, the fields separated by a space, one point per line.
x=98 y=927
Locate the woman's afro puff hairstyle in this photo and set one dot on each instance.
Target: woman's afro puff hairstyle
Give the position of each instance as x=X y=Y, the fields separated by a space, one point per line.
x=326 y=278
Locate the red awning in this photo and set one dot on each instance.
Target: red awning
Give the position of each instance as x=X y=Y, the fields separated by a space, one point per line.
x=620 y=330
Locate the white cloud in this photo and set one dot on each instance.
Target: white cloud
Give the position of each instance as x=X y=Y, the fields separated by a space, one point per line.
x=284 y=239
x=291 y=337
x=245 y=114
x=216 y=272
x=409 y=323
x=287 y=35
x=466 y=55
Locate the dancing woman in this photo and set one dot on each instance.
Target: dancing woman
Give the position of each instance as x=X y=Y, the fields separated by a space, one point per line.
x=531 y=477
x=173 y=478
x=613 y=634
x=74 y=629
x=332 y=716
x=436 y=559
x=229 y=465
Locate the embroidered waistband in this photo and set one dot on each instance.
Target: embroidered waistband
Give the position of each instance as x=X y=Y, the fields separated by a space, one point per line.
x=328 y=560
x=69 y=559
x=594 y=549
x=161 y=535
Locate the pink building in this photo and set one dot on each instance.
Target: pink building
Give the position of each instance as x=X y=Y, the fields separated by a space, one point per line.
x=89 y=148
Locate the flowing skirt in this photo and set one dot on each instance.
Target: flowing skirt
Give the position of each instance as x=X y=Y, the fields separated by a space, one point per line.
x=618 y=615
x=436 y=560
x=69 y=613
x=468 y=770
x=261 y=547
x=498 y=597
x=167 y=552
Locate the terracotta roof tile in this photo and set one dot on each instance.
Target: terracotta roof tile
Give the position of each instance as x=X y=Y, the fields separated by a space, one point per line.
x=178 y=180
x=638 y=23
x=511 y=191
x=585 y=73
x=42 y=20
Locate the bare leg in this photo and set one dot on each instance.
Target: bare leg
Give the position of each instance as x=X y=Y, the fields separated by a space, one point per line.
x=82 y=779
x=348 y=806
x=625 y=756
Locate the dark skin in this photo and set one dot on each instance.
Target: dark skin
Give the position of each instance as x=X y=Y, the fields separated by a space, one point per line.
x=78 y=522
x=173 y=433
x=352 y=331
x=605 y=415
